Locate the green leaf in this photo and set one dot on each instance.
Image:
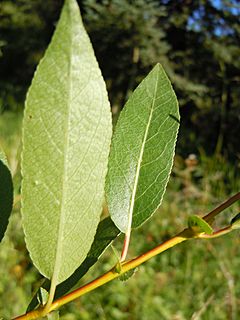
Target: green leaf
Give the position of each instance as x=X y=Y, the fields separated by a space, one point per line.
x=195 y=222
x=66 y=138
x=235 y=223
x=106 y=233
x=127 y=275
x=42 y=296
x=118 y=267
x=142 y=151
x=6 y=194
x=116 y=253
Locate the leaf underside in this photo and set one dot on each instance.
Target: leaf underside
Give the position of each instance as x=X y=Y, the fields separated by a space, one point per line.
x=142 y=151
x=6 y=194
x=66 y=138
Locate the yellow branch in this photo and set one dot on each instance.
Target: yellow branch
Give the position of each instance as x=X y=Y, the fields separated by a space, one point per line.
x=110 y=275
x=126 y=266
x=186 y=234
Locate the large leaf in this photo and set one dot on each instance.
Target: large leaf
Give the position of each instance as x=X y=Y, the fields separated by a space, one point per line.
x=66 y=138
x=6 y=194
x=142 y=151
x=106 y=233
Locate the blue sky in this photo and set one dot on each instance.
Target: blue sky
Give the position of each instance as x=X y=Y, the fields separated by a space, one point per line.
x=232 y=5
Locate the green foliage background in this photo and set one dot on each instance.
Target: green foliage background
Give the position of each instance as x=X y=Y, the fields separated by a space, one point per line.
x=197 y=42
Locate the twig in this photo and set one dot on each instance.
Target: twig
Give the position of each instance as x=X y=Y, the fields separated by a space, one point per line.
x=211 y=215
x=186 y=234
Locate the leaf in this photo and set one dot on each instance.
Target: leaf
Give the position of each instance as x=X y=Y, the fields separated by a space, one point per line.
x=142 y=151
x=106 y=233
x=66 y=138
x=115 y=253
x=118 y=267
x=6 y=194
x=235 y=223
x=199 y=223
x=42 y=296
x=127 y=275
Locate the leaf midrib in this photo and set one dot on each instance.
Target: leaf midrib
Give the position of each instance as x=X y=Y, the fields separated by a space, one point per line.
x=59 y=246
x=130 y=215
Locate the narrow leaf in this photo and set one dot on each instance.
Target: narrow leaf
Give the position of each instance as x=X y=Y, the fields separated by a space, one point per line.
x=142 y=151
x=199 y=223
x=6 y=194
x=106 y=233
x=66 y=138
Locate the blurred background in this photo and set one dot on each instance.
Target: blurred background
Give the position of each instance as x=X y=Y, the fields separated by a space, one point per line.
x=197 y=42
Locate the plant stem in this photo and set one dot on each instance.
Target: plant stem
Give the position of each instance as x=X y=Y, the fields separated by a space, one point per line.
x=110 y=275
x=216 y=234
x=17 y=199
x=50 y=298
x=211 y=215
x=35 y=314
x=125 y=246
x=186 y=234
x=128 y=265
